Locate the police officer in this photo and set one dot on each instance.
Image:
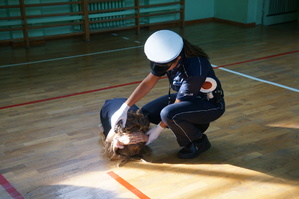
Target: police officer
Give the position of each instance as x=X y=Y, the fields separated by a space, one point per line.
x=187 y=112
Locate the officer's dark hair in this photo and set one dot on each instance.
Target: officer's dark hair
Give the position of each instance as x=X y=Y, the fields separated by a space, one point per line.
x=191 y=50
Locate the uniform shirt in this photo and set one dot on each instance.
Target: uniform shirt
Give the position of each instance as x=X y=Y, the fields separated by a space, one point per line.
x=188 y=77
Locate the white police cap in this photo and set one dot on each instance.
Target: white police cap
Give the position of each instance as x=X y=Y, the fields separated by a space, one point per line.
x=163 y=46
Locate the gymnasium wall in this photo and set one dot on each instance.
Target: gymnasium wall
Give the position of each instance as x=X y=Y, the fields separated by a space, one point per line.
x=245 y=11
x=241 y=12
x=198 y=9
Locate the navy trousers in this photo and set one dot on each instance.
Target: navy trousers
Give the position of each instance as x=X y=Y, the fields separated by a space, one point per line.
x=188 y=120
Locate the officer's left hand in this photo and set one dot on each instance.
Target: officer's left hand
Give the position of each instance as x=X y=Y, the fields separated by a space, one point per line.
x=153 y=133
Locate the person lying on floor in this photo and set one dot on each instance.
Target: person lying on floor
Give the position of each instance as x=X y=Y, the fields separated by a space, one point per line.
x=123 y=143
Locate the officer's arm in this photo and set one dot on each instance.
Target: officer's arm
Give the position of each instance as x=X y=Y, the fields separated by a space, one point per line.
x=177 y=100
x=142 y=89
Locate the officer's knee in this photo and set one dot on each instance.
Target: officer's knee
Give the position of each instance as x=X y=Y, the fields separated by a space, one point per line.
x=165 y=114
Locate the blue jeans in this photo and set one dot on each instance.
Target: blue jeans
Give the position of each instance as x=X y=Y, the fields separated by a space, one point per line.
x=188 y=119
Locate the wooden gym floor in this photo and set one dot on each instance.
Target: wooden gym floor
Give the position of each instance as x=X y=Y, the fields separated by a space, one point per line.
x=51 y=96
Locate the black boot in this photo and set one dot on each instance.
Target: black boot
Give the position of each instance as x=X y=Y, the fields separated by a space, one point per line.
x=193 y=149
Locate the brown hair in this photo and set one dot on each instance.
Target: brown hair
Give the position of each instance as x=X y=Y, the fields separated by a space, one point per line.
x=136 y=122
x=191 y=50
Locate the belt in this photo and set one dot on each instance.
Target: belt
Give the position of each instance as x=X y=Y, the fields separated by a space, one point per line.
x=216 y=95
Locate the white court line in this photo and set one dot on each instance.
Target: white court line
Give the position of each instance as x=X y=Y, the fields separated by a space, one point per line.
x=69 y=57
x=258 y=79
x=121 y=49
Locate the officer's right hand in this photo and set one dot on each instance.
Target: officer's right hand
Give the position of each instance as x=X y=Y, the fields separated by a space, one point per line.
x=120 y=114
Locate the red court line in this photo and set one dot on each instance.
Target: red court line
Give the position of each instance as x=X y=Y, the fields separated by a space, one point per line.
x=261 y=58
x=130 y=187
x=70 y=95
x=120 y=85
x=9 y=188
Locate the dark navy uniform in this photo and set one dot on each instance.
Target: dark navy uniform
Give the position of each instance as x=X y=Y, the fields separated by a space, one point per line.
x=191 y=117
